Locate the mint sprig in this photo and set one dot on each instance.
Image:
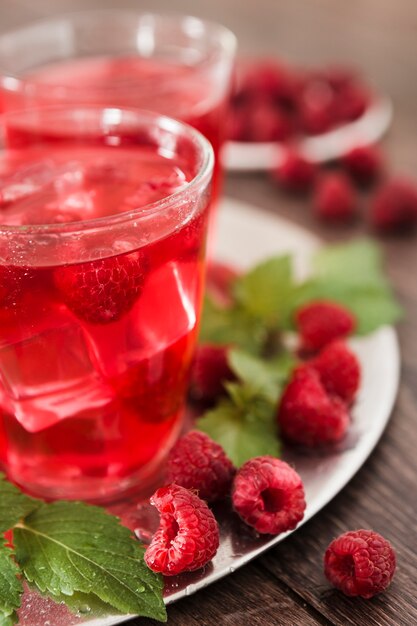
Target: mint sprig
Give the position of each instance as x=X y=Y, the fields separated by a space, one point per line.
x=266 y=298
x=264 y=302
x=11 y=588
x=73 y=551
x=244 y=423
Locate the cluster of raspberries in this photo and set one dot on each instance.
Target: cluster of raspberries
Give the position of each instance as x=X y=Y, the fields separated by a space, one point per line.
x=392 y=206
x=314 y=409
x=266 y=493
x=275 y=102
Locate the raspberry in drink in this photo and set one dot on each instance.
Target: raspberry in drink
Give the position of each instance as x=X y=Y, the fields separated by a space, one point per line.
x=101 y=267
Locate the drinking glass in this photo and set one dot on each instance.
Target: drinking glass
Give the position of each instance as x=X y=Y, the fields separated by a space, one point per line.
x=103 y=217
x=176 y=65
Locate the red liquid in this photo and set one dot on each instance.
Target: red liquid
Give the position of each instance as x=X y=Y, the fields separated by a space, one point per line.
x=94 y=355
x=177 y=90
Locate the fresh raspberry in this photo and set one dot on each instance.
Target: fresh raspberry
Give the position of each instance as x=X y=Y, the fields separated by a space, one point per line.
x=334 y=197
x=269 y=80
x=364 y=163
x=339 y=370
x=268 y=123
x=295 y=172
x=394 y=207
x=219 y=282
x=321 y=321
x=102 y=291
x=316 y=106
x=197 y=462
x=352 y=101
x=210 y=370
x=188 y=534
x=308 y=415
x=268 y=495
x=360 y=563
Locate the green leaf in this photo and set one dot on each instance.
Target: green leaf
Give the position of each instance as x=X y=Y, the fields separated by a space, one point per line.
x=351 y=274
x=86 y=604
x=263 y=377
x=231 y=326
x=8 y=620
x=11 y=587
x=242 y=431
x=68 y=547
x=14 y=505
x=353 y=263
x=265 y=290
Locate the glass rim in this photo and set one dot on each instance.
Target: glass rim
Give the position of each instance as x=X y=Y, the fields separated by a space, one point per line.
x=227 y=40
x=143 y=212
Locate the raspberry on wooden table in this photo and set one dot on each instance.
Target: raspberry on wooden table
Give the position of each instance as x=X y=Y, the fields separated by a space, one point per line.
x=307 y=414
x=268 y=495
x=364 y=163
x=334 y=197
x=199 y=463
x=188 y=534
x=394 y=206
x=360 y=563
x=321 y=321
x=339 y=370
x=295 y=172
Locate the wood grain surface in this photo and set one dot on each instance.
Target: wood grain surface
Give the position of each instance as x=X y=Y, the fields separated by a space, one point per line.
x=286 y=587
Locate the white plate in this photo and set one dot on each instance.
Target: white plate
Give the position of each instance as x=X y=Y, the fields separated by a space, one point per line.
x=246 y=235
x=244 y=156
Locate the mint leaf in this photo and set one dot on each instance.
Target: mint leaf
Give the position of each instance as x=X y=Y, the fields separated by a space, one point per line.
x=11 y=587
x=232 y=325
x=351 y=274
x=263 y=377
x=14 y=504
x=8 y=620
x=266 y=289
x=86 y=604
x=353 y=263
x=68 y=547
x=243 y=431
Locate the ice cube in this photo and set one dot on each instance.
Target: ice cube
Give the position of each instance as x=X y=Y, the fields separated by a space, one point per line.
x=50 y=377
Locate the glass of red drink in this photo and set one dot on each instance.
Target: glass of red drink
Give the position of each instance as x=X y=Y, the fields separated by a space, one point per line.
x=103 y=215
x=176 y=65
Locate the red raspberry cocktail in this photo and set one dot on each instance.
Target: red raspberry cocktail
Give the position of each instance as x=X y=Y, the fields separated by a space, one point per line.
x=102 y=240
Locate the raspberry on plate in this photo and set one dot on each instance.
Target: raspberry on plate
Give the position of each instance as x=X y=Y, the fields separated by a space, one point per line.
x=334 y=197
x=394 y=206
x=308 y=415
x=102 y=291
x=321 y=321
x=295 y=172
x=197 y=462
x=209 y=371
x=360 y=563
x=268 y=495
x=219 y=282
x=364 y=163
x=188 y=534
x=339 y=370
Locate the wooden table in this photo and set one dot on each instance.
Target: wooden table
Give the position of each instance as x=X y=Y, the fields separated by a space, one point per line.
x=286 y=587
